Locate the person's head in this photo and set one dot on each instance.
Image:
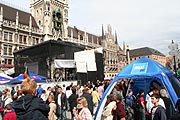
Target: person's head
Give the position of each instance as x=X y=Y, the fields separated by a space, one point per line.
x=95 y=89
x=82 y=102
x=110 y=98
x=155 y=99
x=163 y=93
x=130 y=92
x=8 y=107
x=117 y=96
x=59 y=90
x=141 y=92
x=51 y=98
x=156 y=91
x=28 y=87
x=73 y=89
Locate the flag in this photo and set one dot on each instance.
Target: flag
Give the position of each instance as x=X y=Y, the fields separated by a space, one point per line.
x=26 y=73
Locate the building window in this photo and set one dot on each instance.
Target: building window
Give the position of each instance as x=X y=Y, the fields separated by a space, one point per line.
x=5 y=50
x=37 y=40
x=25 y=40
x=10 y=50
x=10 y=37
x=20 y=39
x=9 y=61
x=5 y=36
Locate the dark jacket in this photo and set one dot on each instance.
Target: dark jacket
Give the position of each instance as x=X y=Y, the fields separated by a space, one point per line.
x=31 y=107
x=63 y=101
x=89 y=100
x=160 y=113
x=72 y=101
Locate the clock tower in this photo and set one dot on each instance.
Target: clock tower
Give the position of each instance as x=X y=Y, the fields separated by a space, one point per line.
x=51 y=17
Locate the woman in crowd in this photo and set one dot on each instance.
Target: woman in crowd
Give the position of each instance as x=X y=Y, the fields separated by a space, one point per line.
x=82 y=112
x=107 y=112
x=29 y=106
x=119 y=113
x=52 y=105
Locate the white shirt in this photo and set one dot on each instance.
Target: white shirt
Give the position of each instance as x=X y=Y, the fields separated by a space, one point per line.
x=150 y=105
x=59 y=99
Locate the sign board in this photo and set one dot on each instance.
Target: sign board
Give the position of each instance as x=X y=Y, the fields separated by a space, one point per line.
x=139 y=68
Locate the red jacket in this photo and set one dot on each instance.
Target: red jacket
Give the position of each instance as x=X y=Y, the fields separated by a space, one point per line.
x=10 y=116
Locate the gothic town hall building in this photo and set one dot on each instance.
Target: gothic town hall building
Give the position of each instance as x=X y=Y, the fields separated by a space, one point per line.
x=48 y=19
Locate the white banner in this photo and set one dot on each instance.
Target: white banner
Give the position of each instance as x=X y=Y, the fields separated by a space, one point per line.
x=64 y=63
x=81 y=66
x=87 y=56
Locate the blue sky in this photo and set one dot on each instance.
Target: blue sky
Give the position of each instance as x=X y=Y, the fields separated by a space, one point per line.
x=139 y=23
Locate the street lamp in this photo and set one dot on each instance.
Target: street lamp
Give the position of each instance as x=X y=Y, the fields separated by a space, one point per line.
x=174 y=51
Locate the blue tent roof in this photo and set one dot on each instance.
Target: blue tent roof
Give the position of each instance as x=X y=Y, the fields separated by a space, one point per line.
x=140 y=69
x=35 y=77
x=143 y=67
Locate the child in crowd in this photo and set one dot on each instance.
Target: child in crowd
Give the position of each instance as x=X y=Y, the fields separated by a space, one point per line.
x=9 y=113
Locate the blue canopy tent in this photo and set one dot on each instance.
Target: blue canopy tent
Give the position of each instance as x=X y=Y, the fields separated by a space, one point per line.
x=143 y=70
x=35 y=77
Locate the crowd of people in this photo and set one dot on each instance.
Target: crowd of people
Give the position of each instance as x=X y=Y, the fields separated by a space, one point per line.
x=126 y=102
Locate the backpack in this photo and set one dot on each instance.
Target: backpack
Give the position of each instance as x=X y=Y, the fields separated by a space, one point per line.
x=136 y=103
x=129 y=112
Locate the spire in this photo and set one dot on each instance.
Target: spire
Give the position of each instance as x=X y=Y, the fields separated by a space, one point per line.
x=103 y=37
x=116 y=42
x=17 y=20
x=1 y=15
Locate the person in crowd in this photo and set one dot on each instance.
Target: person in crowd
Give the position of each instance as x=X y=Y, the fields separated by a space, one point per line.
x=107 y=111
x=61 y=103
x=73 y=100
x=129 y=98
x=142 y=108
x=149 y=104
x=39 y=91
x=13 y=91
x=9 y=113
x=96 y=98
x=176 y=114
x=82 y=112
x=52 y=105
x=134 y=88
x=68 y=91
x=119 y=113
x=79 y=90
x=44 y=96
x=157 y=112
x=89 y=99
x=7 y=99
x=167 y=102
x=48 y=90
x=29 y=106
x=100 y=90
x=64 y=88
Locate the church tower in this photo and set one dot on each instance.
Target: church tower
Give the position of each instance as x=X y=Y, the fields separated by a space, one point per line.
x=51 y=17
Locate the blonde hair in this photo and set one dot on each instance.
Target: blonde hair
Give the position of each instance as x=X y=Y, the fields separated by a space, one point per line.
x=83 y=101
x=163 y=93
x=28 y=87
x=51 y=97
